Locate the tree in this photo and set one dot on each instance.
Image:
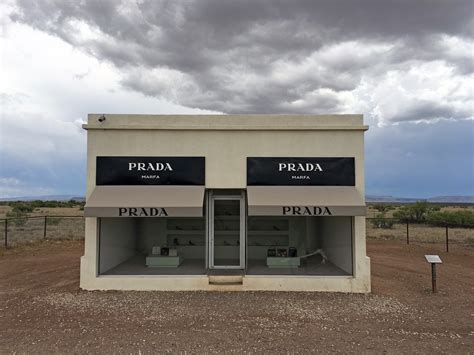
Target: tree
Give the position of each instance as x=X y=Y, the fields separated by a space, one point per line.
x=417 y=212
x=382 y=207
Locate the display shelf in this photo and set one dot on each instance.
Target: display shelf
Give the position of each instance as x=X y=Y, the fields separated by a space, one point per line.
x=187 y=224
x=163 y=261
x=184 y=238
x=267 y=246
x=226 y=232
x=188 y=246
x=283 y=262
x=227 y=218
x=185 y=232
x=266 y=233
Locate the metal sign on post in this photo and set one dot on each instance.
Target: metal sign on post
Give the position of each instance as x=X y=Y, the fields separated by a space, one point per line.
x=433 y=260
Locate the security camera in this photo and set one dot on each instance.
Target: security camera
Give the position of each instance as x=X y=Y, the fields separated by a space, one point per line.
x=102 y=118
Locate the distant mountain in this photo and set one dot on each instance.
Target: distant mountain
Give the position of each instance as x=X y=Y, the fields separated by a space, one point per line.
x=45 y=198
x=437 y=199
x=368 y=198
x=452 y=199
x=388 y=198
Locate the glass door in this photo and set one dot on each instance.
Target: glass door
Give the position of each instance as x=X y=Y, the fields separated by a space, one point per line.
x=227 y=231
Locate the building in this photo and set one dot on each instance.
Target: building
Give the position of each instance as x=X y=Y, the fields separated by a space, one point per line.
x=225 y=202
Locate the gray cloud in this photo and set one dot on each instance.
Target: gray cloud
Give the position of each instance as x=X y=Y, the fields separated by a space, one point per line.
x=275 y=56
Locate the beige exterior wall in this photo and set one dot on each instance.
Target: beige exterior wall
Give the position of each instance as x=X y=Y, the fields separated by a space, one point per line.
x=226 y=142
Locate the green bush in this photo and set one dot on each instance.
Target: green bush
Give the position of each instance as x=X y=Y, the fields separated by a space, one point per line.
x=459 y=218
x=381 y=222
x=18 y=218
x=22 y=207
x=29 y=206
x=382 y=207
x=417 y=212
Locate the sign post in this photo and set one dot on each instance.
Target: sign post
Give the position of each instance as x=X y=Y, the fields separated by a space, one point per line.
x=433 y=260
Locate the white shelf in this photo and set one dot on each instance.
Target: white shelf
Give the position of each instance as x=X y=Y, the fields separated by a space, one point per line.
x=227 y=218
x=267 y=233
x=268 y=246
x=184 y=232
x=226 y=232
x=188 y=246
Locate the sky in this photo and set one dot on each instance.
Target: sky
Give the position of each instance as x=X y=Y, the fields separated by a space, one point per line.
x=406 y=65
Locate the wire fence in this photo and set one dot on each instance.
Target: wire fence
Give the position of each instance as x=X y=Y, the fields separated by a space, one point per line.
x=420 y=232
x=23 y=230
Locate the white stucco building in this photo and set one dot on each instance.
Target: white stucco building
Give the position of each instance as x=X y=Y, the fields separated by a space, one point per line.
x=233 y=202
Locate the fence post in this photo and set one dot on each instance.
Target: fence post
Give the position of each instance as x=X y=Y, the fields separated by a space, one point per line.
x=44 y=230
x=6 y=233
x=408 y=235
x=447 y=239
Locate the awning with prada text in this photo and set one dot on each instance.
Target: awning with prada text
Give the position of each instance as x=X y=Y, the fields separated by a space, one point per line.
x=145 y=201
x=305 y=201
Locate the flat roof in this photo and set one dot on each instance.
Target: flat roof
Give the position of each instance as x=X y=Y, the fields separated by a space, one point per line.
x=226 y=122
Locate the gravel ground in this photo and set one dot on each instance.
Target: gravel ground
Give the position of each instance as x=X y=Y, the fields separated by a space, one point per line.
x=43 y=311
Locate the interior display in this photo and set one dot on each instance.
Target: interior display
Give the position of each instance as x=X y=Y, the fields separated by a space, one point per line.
x=173 y=252
x=283 y=262
x=157 y=261
x=320 y=252
x=281 y=252
x=275 y=245
x=268 y=232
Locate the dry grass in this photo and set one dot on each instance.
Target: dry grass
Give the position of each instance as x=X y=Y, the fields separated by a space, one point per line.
x=63 y=228
x=32 y=230
x=422 y=233
x=46 y=211
x=372 y=212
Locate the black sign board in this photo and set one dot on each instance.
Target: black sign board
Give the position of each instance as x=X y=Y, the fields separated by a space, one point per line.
x=300 y=171
x=150 y=171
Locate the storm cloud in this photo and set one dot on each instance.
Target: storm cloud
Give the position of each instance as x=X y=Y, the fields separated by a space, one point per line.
x=406 y=65
x=394 y=61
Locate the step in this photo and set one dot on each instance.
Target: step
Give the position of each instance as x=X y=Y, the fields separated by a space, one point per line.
x=226 y=287
x=225 y=279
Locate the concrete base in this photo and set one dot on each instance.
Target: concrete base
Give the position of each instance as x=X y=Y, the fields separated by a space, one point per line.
x=248 y=282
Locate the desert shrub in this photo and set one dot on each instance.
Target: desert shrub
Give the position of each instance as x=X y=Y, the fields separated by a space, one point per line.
x=29 y=206
x=381 y=222
x=382 y=207
x=21 y=207
x=53 y=221
x=459 y=218
x=417 y=212
x=18 y=218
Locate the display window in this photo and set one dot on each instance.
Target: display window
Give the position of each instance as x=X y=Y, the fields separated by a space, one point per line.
x=152 y=246
x=299 y=246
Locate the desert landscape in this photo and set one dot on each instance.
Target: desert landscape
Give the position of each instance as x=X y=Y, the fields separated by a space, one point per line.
x=42 y=310
x=68 y=223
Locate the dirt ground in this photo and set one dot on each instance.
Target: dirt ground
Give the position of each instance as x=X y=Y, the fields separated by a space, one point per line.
x=42 y=310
